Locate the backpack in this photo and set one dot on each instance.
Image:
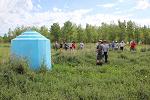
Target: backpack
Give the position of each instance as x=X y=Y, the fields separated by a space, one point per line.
x=99 y=49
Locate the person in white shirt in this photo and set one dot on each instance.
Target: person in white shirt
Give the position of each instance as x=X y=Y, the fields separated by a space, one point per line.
x=81 y=45
x=116 y=45
x=122 y=44
x=56 y=46
x=105 y=50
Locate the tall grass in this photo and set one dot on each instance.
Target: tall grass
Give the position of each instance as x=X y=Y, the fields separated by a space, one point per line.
x=75 y=76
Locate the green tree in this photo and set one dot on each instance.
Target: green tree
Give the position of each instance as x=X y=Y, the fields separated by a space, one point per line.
x=44 y=31
x=122 y=26
x=55 y=32
x=104 y=31
x=80 y=33
x=91 y=33
x=130 y=30
x=67 y=31
x=5 y=38
x=145 y=34
x=113 y=31
x=137 y=34
x=1 y=39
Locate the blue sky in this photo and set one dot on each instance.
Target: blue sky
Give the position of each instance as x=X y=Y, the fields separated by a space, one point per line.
x=15 y=13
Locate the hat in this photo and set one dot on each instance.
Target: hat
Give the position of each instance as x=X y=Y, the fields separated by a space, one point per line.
x=99 y=40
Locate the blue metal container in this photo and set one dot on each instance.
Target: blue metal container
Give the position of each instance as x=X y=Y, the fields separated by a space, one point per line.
x=34 y=47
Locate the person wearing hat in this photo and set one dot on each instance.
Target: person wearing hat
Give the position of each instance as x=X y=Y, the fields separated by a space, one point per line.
x=116 y=45
x=99 y=51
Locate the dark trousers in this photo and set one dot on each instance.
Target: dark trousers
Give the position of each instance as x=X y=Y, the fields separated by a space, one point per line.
x=106 y=57
x=121 y=48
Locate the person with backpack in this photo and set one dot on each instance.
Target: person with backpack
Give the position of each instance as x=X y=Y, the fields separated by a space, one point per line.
x=99 y=51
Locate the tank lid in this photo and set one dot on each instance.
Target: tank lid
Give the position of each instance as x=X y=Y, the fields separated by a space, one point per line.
x=29 y=35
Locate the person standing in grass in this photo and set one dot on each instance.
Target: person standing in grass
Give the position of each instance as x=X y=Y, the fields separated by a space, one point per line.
x=61 y=47
x=70 y=46
x=105 y=50
x=81 y=45
x=132 y=45
x=66 y=46
x=73 y=45
x=116 y=46
x=122 y=44
x=113 y=45
x=99 y=51
x=56 y=46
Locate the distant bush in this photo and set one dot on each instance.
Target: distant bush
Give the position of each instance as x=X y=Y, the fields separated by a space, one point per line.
x=6 y=46
x=148 y=49
x=142 y=71
x=143 y=49
x=43 y=69
x=123 y=56
x=19 y=65
x=73 y=58
x=133 y=60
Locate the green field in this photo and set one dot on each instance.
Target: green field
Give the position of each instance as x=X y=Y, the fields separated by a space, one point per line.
x=75 y=76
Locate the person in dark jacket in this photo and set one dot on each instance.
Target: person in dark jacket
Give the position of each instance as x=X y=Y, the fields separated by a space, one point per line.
x=99 y=51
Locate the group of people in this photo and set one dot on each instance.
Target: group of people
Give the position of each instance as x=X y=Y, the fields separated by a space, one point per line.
x=102 y=49
x=67 y=46
x=117 y=46
x=120 y=46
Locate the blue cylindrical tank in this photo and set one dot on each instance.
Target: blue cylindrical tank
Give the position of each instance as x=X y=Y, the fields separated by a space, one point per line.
x=34 y=47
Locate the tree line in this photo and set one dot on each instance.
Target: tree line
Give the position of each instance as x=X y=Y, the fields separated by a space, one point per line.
x=123 y=30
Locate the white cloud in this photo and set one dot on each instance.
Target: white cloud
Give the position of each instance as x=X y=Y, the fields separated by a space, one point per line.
x=56 y=9
x=142 y=21
x=118 y=12
x=39 y=6
x=142 y=4
x=20 y=12
x=121 y=1
x=12 y=13
x=108 y=5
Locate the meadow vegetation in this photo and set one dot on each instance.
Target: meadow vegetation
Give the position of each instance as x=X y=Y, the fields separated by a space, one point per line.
x=75 y=76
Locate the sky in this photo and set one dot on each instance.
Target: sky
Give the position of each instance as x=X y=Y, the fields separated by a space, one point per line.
x=15 y=13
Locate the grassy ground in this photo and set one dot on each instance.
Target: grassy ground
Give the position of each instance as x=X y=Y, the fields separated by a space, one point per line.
x=75 y=76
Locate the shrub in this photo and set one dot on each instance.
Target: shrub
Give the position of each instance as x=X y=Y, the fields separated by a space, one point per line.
x=148 y=49
x=142 y=71
x=133 y=60
x=143 y=49
x=19 y=65
x=43 y=69
x=122 y=56
x=142 y=95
